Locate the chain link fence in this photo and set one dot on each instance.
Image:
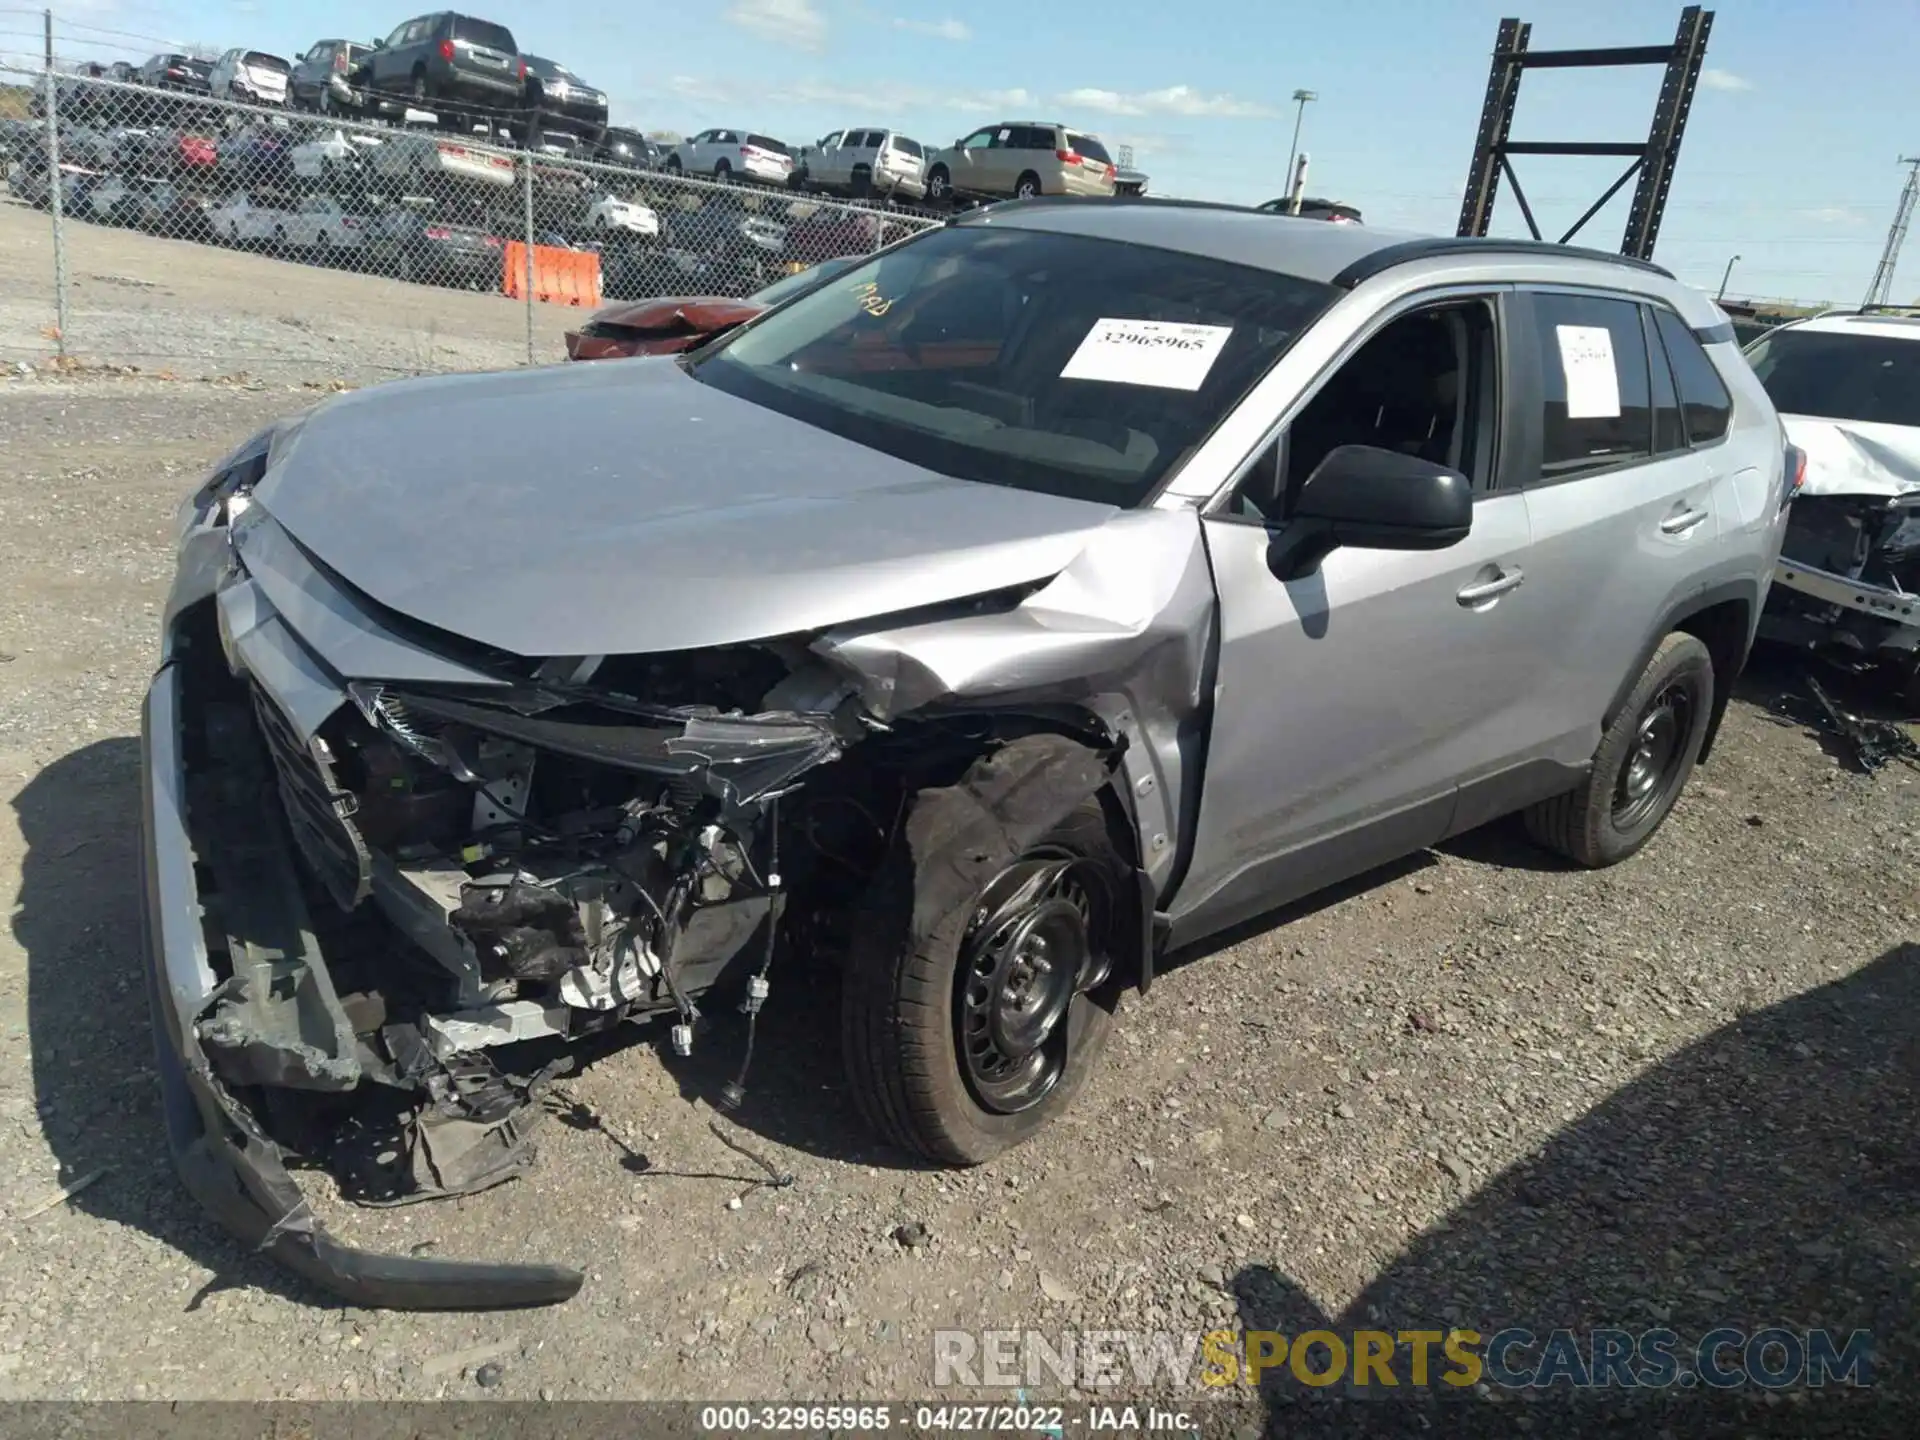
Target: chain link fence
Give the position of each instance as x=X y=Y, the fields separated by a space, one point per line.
x=159 y=227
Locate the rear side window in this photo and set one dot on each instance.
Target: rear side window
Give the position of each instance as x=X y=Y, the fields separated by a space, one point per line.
x=484 y=33
x=1088 y=146
x=1591 y=357
x=1703 y=396
x=904 y=146
x=1669 y=424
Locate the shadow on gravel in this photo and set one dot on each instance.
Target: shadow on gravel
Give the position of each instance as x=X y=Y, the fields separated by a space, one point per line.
x=79 y=922
x=1767 y=1175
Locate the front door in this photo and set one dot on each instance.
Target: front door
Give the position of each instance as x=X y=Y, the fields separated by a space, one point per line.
x=1352 y=706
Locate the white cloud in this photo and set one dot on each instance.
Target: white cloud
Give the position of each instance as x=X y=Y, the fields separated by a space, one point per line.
x=1835 y=215
x=953 y=30
x=1174 y=100
x=1724 y=80
x=789 y=22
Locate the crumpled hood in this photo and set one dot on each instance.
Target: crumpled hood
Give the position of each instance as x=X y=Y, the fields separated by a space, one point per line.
x=623 y=509
x=1848 y=457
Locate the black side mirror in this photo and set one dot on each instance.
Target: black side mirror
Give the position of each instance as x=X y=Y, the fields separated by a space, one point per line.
x=1373 y=499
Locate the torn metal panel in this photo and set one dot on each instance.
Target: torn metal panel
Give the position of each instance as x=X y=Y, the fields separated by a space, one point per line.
x=1854 y=457
x=225 y=1159
x=338 y=627
x=1126 y=630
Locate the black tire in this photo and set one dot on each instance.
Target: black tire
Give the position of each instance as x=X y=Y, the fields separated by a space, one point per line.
x=417 y=92
x=902 y=1008
x=722 y=171
x=939 y=184
x=1642 y=765
x=672 y=165
x=1027 y=187
x=861 y=182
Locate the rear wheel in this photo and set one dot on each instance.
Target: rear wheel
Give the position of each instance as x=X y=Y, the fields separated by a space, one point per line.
x=1642 y=764
x=939 y=183
x=967 y=1027
x=1027 y=186
x=722 y=171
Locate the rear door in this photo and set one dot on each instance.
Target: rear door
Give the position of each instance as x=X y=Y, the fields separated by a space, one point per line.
x=1622 y=510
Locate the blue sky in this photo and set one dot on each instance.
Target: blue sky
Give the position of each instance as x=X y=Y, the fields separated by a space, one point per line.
x=1790 y=157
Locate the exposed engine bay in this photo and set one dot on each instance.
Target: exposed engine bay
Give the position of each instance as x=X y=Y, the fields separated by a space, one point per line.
x=1848 y=582
x=490 y=876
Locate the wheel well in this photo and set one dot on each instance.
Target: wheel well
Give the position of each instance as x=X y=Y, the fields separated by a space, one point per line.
x=1723 y=628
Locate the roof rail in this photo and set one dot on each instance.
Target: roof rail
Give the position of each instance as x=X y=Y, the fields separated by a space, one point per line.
x=1440 y=246
x=1132 y=202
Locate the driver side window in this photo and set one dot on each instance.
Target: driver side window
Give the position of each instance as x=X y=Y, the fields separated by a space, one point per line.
x=979 y=140
x=1421 y=386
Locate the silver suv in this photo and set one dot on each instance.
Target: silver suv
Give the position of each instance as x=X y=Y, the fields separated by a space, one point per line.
x=1058 y=586
x=863 y=162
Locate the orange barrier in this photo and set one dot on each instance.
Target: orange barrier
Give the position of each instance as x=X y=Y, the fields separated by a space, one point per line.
x=560 y=277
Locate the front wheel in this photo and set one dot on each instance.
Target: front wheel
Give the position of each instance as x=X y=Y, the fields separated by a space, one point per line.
x=939 y=183
x=1642 y=764
x=972 y=1013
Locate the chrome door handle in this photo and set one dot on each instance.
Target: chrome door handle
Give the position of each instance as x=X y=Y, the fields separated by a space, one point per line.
x=1490 y=589
x=1683 y=522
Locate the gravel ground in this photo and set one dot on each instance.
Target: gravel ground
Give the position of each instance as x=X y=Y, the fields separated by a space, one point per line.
x=199 y=311
x=1473 y=1089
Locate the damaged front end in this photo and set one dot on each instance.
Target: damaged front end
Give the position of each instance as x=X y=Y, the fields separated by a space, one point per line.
x=396 y=877
x=469 y=879
x=1847 y=585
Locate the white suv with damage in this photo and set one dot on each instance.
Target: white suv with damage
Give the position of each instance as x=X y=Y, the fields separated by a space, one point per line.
x=1847 y=386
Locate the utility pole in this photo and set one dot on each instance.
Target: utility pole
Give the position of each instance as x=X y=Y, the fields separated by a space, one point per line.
x=1882 y=287
x=1300 y=99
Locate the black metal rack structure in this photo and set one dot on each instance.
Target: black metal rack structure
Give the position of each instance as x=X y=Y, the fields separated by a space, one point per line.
x=1652 y=159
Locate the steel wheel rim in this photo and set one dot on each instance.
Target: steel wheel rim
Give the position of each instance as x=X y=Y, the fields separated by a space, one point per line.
x=1027 y=961
x=1654 y=759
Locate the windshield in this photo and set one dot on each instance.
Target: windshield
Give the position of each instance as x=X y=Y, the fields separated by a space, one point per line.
x=1075 y=366
x=1874 y=379
x=258 y=61
x=794 y=284
x=767 y=142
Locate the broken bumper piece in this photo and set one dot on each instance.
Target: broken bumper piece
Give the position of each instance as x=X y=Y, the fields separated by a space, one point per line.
x=224 y=1155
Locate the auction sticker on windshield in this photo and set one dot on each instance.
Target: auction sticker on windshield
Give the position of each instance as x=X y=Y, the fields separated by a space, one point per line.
x=1148 y=352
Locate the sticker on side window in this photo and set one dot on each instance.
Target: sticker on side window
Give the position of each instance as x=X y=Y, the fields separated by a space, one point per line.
x=1586 y=359
x=1148 y=352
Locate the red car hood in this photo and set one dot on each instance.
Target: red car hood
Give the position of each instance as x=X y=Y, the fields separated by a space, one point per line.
x=659 y=326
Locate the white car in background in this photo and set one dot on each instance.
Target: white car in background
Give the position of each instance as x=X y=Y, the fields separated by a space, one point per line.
x=251 y=76
x=321 y=224
x=241 y=220
x=331 y=150
x=728 y=154
x=610 y=213
x=1847 y=386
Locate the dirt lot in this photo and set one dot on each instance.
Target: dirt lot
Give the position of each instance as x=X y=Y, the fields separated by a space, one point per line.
x=1474 y=1089
x=199 y=310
